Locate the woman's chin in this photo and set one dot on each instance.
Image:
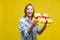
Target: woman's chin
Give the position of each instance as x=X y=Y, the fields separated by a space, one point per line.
x=29 y=15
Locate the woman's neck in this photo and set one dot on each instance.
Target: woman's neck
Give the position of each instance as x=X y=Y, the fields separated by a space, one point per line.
x=30 y=18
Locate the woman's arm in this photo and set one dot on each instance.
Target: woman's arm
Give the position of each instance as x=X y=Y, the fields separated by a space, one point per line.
x=43 y=28
x=32 y=25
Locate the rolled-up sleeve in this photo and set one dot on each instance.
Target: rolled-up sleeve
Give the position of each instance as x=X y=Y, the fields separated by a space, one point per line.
x=38 y=29
x=23 y=28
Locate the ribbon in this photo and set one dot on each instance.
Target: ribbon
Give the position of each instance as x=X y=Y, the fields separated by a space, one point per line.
x=45 y=17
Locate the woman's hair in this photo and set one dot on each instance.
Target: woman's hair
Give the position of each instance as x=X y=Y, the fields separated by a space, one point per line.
x=26 y=8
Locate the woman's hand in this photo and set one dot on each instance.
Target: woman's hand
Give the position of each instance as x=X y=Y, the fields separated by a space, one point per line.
x=34 y=22
x=32 y=25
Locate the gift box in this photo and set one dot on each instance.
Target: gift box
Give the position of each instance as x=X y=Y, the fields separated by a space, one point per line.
x=42 y=18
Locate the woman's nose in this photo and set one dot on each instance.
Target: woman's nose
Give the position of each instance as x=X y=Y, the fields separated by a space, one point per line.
x=29 y=10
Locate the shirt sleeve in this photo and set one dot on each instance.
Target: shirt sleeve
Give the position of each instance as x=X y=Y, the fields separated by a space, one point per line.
x=23 y=28
x=38 y=29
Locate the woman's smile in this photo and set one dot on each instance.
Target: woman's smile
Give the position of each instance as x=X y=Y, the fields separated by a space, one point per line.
x=29 y=11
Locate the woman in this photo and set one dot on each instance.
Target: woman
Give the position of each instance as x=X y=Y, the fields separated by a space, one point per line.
x=28 y=27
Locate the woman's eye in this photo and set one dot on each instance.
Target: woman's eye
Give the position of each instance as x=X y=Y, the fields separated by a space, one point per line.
x=31 y=9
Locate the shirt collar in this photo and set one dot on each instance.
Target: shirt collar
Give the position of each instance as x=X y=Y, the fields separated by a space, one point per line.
x=27 y=18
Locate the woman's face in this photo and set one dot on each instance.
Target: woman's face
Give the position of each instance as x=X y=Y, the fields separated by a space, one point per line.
x=29 y=11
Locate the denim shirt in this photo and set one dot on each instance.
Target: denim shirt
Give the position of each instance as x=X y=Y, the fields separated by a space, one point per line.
x=24 y=25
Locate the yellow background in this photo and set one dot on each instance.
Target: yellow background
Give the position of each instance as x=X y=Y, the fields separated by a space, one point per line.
x=12 y=10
